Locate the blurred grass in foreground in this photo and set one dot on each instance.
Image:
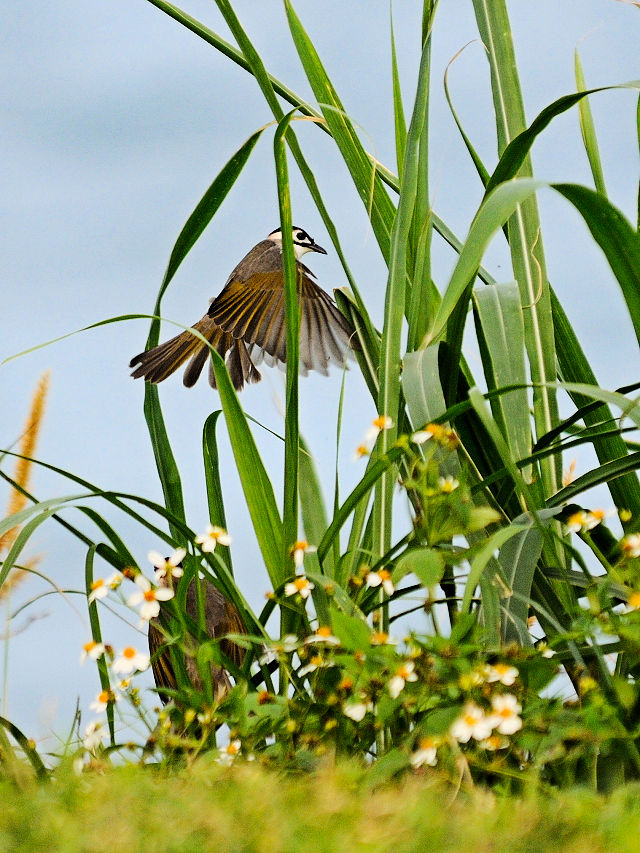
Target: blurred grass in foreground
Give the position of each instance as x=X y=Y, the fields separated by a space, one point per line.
x=247 y=809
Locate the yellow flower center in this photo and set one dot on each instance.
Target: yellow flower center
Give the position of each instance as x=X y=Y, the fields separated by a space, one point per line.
x=104 y=696
x=129 y=652
x=97 y=583
x=149 y=595
x=90 y=645
x=324 y=631
x=300 y=583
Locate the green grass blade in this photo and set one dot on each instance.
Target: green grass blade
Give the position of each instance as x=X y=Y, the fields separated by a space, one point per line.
x=215 y=499
x=163 y=454
x=501 y=335
x=493 y=213
x=588 y=129
x=527 y=252
x=616 y=237
x=399 y=122
x=389 y=398
x=314 y=514
x=255 y=482
x=292 y=320
x=96 y=636
x=358 y=162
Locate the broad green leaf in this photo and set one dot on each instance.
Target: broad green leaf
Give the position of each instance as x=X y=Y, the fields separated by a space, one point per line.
x=425 y=563
x=616 y=237
x=314 y=515
x=481 y=559
x=353 y=632
x=501 y=336
x=493 y=213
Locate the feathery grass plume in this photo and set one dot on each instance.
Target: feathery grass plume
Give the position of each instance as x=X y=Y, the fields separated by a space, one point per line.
x=22 y=472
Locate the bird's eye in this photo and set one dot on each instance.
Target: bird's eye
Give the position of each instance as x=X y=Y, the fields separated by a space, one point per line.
x=302 y=237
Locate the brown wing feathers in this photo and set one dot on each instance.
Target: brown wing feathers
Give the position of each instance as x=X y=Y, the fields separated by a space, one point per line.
x=246 y=323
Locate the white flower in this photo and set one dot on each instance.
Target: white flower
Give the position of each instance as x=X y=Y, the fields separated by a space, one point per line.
x=356 y=710
x=229 y=753
x=300 y=586
x=299 y=549
x=447 y=484
x=494 y=742
x=93 y=734
x=164 y=566
x=403 y=674
x=505 y=713
x=426 y=753
x=380 y=423
x=149 y=597
x=630 y=545
x=322 y=635
x=129 y=661
x=421 y=436
x=382 y=576
x=92 y=650
x=101 y=701
x=582 y=521
x=472 y=723
x=316 y=662
x=101 y=586
x=501 y=672
x=213 y=536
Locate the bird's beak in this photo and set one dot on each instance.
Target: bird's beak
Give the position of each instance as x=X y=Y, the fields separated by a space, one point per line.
x=316 y=248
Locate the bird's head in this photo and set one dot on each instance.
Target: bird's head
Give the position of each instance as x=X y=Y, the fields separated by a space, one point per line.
x=302 y=242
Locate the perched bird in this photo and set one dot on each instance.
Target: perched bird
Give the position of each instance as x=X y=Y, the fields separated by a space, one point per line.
x=221 y=617
x=245 y=323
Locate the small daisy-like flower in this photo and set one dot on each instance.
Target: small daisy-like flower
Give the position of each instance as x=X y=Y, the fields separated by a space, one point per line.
x=129 y=661
x=93 y=734
x=472 y=723
x=92 y=650
x=167 y=566
x=316 y=662
x=380 y=423
x=447 y=484
x=101 y=701
x=229 y=753
x=501 y=672
x=548 y=652
x=505 y=714
x=356 y=710
x=124 y=684
x=426 y=753
x=382 y=576
x=473 y=678
x=300 y=586
x=149 y=598
x=322 y=635
x=421 y=436
x=582 y=521
x=213 y=536
x=403 y=674
x=100 y=586
x=634 y=601
x=381 y=638
x=631 y=545
x=494 y=742
x=298 y=551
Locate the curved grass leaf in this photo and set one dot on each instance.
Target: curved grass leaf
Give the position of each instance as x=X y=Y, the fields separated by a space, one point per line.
x=255 y=482
x=215 y=500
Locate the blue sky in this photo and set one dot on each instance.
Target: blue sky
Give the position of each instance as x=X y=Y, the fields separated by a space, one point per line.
x=116 y=120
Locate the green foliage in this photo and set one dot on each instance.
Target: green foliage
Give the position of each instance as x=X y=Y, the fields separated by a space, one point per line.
x=487 y=564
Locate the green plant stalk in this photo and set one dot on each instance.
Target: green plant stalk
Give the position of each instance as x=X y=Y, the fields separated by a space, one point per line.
x=524 y=226
x=390 y=350
x=292 y=320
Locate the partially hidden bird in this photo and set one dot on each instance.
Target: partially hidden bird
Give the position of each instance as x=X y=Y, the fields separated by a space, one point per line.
x=221 y=618
x=245 y=323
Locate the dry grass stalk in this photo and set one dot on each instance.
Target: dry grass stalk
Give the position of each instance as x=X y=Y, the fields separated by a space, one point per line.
x=22 y=472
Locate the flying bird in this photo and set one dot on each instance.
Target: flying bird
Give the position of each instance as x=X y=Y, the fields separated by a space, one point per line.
x=245 y=323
